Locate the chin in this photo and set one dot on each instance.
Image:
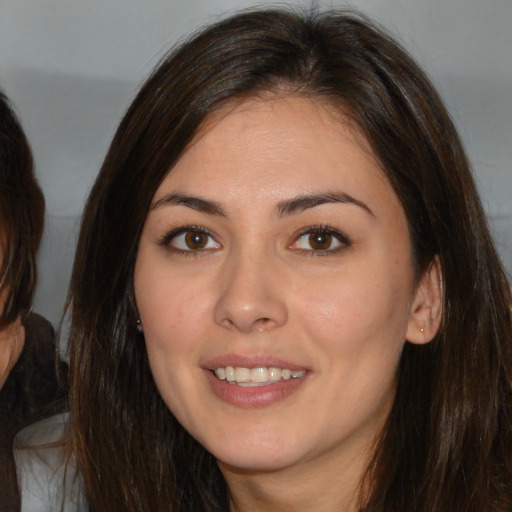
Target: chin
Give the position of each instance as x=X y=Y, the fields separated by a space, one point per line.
x=256 y=464
x=257 y=456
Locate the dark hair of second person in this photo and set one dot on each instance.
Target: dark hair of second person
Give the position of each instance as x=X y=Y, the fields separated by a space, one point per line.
x=21 y=215
x=29 y=386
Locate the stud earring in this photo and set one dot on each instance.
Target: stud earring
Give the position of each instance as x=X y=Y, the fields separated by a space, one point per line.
x=138 y=325
x=422 y=330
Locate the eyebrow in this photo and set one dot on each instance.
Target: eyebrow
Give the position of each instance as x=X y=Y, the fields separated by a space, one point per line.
x=196 y=203
x=284 y=208
x=302 y=203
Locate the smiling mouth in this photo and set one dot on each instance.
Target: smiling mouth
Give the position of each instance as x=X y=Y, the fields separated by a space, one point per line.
x=252 y=377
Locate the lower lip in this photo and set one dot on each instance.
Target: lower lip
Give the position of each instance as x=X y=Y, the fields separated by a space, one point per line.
x=257 y=396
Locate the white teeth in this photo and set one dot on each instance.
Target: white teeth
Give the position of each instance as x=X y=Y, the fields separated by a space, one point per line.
x=242 y=374
x=259 y=374
x=249 y=377
x=230 y=374
x=274 y=374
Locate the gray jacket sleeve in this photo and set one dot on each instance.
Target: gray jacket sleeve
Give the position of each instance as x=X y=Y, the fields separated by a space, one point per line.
x=47 y=477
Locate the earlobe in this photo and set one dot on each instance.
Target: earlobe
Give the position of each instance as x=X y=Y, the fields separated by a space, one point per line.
x=427 y=306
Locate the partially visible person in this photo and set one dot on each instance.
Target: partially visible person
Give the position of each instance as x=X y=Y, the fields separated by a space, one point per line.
x=31 y=382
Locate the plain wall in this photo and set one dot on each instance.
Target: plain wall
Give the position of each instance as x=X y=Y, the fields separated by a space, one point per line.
x=71 y=68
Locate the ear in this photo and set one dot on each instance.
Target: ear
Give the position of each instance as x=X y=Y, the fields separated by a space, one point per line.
x=427 y=306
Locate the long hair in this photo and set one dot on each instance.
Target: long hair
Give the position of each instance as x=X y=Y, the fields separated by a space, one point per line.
x=21 y=227
x=446 y=444
x=21 y=216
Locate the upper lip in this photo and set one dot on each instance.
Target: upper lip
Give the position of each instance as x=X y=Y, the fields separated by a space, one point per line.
x=255 y=361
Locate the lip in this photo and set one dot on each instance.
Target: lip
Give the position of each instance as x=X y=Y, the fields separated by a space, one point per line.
x=254 y=397
x=258 y=396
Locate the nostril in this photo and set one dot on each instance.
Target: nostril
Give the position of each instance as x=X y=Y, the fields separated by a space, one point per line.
x=262 y=322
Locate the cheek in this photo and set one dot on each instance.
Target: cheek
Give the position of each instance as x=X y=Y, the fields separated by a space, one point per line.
x=169 y=332
x=355 y=311
x=173 y=311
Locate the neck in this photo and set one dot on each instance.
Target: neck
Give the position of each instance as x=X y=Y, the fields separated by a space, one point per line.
x=12 y=340
x=326 y=485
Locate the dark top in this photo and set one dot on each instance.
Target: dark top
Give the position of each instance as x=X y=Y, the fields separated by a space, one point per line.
x=31 y=392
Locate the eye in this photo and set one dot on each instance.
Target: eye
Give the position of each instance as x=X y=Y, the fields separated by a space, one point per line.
x=320 y=239
x=190 y=238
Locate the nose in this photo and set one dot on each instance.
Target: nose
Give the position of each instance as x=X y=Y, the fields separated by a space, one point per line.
x=252 y=295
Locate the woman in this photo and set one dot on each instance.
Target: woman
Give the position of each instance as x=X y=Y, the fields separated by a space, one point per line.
x=29 y=386
x=285 y=295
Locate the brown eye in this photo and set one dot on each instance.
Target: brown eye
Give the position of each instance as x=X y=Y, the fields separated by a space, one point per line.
x=189 y=239
x=320 y=241
x=196 y=240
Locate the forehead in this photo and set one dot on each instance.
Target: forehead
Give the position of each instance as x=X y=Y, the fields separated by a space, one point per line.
x=278 y=147
x=277 y=122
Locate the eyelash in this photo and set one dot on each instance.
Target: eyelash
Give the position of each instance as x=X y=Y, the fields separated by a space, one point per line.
x=319 y=229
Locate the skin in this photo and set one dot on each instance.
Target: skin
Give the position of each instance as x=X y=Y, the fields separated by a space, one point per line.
x=12 y=340
x=260 y=288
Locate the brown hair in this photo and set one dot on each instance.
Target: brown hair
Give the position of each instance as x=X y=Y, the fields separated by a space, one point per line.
x=21 y=216
x=447 y=441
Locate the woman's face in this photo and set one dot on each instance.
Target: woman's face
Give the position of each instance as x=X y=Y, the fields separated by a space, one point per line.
x=275 y=288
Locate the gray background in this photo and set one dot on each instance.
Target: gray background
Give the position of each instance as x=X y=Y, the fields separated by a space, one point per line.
x=71 y=67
